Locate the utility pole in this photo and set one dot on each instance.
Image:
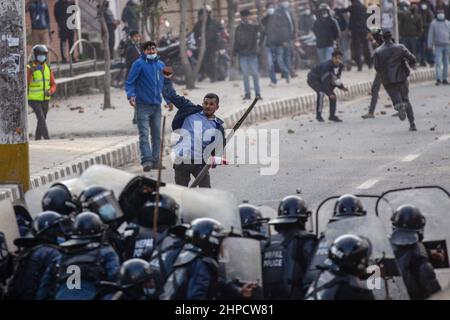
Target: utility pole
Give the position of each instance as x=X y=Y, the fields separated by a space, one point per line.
x=14 y=154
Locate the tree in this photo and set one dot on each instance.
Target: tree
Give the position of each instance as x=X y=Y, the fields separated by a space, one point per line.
x=101 y=9
x=231 y=12
x=151 y=12
x=191 y=72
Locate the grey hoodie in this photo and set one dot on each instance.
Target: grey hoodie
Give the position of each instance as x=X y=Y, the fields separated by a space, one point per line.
x=439 y=33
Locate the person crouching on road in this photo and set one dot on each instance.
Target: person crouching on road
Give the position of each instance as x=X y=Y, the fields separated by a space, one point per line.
x=323 y=78
x=201 y=134
x=41 y=86
x=144 y=87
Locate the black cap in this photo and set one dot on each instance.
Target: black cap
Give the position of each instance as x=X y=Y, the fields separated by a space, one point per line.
x=245 y=13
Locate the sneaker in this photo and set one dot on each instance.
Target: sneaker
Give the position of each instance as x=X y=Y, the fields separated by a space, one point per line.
x=156 y=167
x=401 y=111
x=273 y=85
x=334 y=118
x=147 y=168
x=247 y=97
x=368 y=116
x=319 y=118
x=438 y=82
x=445 y=82
x=412 y=127
x=395 y=114
x=258 y=96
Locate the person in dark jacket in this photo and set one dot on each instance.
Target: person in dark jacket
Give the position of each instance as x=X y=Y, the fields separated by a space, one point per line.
x=283 y=27
x=65 y=34
x=94 y=261
x=409 y=26
x=40 y=22
x=390 y=62
x=144 y=86
x=267 y=39
x=408 y=225
x=36 y=255
x=323 y=78
x=212 y=38
x=132 y=53
x=130 y=15
x=440 y=5
x=111 y=23
x=326 y=30
x=377 y=40
x=359 y=30
x=194 y=122
x=246 y=41
x=423 y=52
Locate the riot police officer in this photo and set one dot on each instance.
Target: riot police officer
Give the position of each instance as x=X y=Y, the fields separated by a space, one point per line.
x=59 y=199
x=84 y=256
x=346 y=206
x=408 y=225
x=252 y=222
x=342 y=277
x=103 y=202
x=36 y=254
x=138 y=281
x=287 y=257
x=195 y=273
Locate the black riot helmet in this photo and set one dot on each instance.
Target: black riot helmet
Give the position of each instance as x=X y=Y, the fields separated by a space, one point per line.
x=408 y=225
x=252 y=221
x=59 y=199
x=348 y=205
x=102 y=202
x=206 y=234
x=135 y=272
x=350 y=253
x=49 y=225
x=167 y=212
x=292 y=210
x=87 y=225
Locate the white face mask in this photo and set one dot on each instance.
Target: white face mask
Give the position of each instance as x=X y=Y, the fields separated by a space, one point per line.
x=152 y=56
x=285 y=4
x=308 y=12
x=424 y=7
x=41 y=58
x=440 y=16
x=270 y=11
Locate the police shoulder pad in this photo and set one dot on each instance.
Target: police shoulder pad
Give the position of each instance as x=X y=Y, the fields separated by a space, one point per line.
x=185 y=257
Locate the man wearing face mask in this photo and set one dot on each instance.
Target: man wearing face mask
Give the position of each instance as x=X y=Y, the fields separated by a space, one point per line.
x=41 y=86
x=326 y=30
x=409 y=25
x=246 y=47
x=267 y=38
x=144 y=86
x=424 y=53
x=283 y=26
x=439 y=38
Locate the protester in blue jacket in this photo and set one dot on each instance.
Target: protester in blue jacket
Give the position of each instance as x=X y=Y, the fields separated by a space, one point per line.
x=144 y=86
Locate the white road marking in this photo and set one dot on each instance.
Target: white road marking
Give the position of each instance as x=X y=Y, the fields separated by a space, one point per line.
x=444 y=137
x=410 y=157
x=368 y=184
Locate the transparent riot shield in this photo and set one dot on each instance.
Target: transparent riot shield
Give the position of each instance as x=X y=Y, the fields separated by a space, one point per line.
x=8 y=223
x=206 y=203
x=241 y=260
x=386 y=281
x=434 y=203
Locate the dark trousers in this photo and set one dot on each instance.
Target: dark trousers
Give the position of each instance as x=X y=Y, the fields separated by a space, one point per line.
x=410 y=43
x=183 y=175
x=112 y=41
x=422 y=52
x=376 y=85
x=40 y=108
x=316 y=86
x=66 y=36
x=399 y=93
x=360 y=43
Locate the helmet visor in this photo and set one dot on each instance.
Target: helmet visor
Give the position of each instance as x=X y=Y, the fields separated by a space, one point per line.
x=106 y=206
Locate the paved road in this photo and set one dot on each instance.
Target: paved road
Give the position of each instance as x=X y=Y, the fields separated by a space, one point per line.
x=356 y=156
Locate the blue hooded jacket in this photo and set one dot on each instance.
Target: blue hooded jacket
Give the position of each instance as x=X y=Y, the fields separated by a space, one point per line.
x=145 y=81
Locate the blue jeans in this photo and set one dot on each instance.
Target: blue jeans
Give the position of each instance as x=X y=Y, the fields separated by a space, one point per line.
x=284 y=60
x=422 y=53
x=249 y=67
x=149 y=119
x=270 y=65
x=324 y=53
x=442 y=54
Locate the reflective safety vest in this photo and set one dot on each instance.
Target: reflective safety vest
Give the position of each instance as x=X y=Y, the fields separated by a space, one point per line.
x=40 y=84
